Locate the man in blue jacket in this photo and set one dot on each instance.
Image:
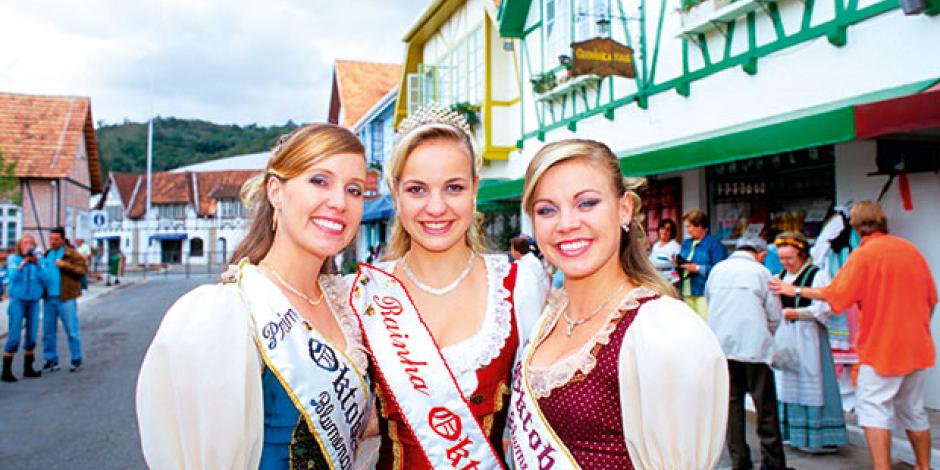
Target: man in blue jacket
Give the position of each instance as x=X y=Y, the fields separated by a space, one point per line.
x=700 y=252
x=63 y=269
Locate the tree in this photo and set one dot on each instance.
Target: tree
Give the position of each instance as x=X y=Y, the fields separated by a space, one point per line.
x=9 y=189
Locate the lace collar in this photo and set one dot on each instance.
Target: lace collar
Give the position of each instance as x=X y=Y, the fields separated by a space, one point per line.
x=479 y=350
x=543 y=380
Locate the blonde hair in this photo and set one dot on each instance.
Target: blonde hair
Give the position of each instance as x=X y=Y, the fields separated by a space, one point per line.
x=867 y=217
x=19 y=243
x=632 y=254
x=291 y=157
x=399 y=241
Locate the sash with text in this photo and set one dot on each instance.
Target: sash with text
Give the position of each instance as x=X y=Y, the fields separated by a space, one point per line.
x=424 y=387
x=533 y=443
x=332 y=395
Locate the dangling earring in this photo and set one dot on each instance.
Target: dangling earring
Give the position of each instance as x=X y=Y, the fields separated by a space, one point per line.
x=274 y=221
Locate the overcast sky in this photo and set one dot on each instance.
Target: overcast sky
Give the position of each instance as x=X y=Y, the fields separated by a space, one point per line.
x=226 y=61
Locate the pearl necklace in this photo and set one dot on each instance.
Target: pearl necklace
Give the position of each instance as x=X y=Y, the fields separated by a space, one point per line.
x=293 y=289
x=439 y=290
x=572 y=324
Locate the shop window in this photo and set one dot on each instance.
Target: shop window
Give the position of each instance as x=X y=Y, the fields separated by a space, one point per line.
x=456 y=77
x=791 y=191
x=115 y=213
x=377 y=142
x=557 y=31
x=231 y=208
x=662 y=200
x=195 y=247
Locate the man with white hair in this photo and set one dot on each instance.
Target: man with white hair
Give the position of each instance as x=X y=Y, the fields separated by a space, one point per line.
x=744 y=313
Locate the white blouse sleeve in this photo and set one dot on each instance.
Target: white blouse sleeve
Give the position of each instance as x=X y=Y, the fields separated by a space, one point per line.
x=529 y=294
x=819 y=309
x=673 y=389
x=199 y=398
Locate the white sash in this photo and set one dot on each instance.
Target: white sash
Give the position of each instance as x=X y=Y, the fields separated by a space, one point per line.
x=424 y=388
x=534 y=445
x=331 y=394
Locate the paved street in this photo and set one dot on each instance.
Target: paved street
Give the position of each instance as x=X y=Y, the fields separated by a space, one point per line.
x=86 y=420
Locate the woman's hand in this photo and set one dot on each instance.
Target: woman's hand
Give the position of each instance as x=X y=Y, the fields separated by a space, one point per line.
x=790 y=314
x=778 y=287
x=690 y=267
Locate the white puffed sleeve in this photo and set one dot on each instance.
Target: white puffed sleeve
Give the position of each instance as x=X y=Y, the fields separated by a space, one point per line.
x=199 y=398
x=529 y=294
x=673 y=389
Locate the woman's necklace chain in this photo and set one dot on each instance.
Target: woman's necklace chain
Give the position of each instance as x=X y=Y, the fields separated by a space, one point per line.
x=293 y=289
x=439 y=290
x=572 y=323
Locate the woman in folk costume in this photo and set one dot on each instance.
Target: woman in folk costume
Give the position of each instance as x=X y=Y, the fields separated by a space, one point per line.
x=811 y=415
x=267 y=369
x=442 y=318
x=618 y=374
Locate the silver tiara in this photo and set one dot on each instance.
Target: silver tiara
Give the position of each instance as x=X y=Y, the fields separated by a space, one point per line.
x=434 y=113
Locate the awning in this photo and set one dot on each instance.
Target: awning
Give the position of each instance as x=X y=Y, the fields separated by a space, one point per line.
x=900 y=115
x=493 y=190
x=899 y=109
x=378 y=209
x=107 y=237
x=167 y=236
x=830 y=123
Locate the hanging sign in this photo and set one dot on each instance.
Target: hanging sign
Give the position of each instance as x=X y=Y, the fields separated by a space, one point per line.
x=603 y=57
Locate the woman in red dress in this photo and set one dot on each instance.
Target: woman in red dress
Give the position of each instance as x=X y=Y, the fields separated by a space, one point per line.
x=475 y=305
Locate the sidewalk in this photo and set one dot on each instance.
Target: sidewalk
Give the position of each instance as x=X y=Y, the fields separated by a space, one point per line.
x=900 y=446
x=95 y=290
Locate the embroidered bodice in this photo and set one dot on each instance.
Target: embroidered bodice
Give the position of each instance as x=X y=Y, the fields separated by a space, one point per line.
x=580 y=363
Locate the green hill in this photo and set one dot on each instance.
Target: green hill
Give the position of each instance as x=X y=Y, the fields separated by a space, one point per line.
x=180 y=142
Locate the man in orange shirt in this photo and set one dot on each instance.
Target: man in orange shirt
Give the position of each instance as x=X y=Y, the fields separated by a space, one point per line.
x=890 y=281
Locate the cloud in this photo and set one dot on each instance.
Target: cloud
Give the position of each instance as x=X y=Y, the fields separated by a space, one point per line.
x=237 y=61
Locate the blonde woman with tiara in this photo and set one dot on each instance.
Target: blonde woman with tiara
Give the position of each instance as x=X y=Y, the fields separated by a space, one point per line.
x=618 y=374
x=267 y=368
x=442 y=317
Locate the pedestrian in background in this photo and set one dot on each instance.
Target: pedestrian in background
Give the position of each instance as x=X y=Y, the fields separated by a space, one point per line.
x=520 y=248
x=62 y=269
x=700 y=252
x=115 y=268
x=664 y=251
x=24 y=276
x=811 y=413
x=744 y=314
x=890 y=281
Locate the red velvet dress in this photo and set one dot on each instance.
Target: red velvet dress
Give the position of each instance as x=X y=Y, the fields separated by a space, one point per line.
x=489 y=404
x=585 y=412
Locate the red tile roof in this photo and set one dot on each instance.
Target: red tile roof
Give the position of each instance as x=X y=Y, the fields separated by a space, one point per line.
x=357 y=86
x=43 y=134
x=180 y=188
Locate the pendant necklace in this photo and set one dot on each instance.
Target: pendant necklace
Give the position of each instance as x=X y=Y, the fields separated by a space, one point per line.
x=439 y=290
x=572 y=324
x=293 y=289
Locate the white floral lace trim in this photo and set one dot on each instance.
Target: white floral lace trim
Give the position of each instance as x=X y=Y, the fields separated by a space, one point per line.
x=479 y=350
x=543 y=380
x=336 y=290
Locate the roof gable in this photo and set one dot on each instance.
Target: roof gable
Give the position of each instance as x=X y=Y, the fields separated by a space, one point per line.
x=357 y=86
x=43 y=135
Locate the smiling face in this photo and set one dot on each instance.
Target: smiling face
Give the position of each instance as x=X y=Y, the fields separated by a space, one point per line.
x=436 y=193
x=319 y=211
x=790 y=258
x=576 y=215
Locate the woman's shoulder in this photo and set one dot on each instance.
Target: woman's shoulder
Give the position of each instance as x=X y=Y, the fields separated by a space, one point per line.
x=667 y=322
